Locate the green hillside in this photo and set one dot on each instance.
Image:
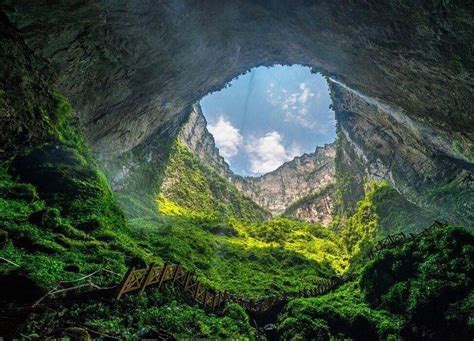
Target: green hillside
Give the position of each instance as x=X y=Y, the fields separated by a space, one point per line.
x=191 y=185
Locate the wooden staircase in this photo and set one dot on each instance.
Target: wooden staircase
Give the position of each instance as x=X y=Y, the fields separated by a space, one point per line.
x=137 y=280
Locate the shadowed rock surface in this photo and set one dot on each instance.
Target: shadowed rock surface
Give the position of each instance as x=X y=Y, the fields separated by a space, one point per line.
x=130 y=68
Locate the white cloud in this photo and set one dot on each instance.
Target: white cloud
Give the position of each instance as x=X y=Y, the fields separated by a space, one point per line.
x=297 y=107
x=228 y=138
x=267 y=153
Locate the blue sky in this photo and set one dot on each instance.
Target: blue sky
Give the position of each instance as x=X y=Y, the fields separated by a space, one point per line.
x=268 y=116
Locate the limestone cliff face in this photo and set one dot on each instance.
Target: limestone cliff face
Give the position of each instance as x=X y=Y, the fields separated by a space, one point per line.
x=129 y=67
x=292 y=181
x=195 y=135
x=303 y=177
x=317 y=207
x=382 y=142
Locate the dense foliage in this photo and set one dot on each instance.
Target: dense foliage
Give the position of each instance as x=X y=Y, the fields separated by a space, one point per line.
x=241 y=257
x=57 y=211
x=382 y=211
x=339 y=314
x=59 y=221
x=147 y=316
x=422 y=290
x=429 y=282
x=191 y=184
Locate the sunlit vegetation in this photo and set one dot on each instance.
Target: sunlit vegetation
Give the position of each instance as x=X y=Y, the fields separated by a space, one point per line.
x=225 y=255
x=191 y=184
x=209 y=227
x=59 y=220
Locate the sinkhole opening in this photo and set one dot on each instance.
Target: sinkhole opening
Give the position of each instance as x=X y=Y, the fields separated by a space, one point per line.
x=268 y=116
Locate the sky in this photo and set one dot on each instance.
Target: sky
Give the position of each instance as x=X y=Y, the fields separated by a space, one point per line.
x=268 y=116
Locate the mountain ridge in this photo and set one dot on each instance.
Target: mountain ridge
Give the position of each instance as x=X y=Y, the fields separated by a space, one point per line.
x=275 y=190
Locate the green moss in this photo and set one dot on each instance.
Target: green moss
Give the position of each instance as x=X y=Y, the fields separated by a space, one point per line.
x=340 y=314
x=428 y=281
x=192 y=185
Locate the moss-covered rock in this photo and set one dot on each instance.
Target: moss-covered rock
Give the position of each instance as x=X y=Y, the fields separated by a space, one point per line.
x=69 y=180
x=24 y=192
x=428 y=281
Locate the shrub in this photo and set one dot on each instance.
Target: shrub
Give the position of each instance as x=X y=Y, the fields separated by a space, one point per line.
x=23 y=192
x=423 y=280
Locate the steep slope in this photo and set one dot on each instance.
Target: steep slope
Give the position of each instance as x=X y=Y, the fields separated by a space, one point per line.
x=195 y=135
x=302 y=178
x=315 y=207
x=380 y=142
x=192 y=185
x=295 y=179
x=55 y=203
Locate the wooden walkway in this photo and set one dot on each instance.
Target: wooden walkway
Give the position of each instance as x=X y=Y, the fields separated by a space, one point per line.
x=398 y=238
x=137 y=280
x=140 y=279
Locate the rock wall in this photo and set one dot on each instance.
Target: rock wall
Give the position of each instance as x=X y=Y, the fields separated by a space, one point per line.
x=195 y=135
x=129 y=69
x=317 y=207
x=419 y=161
x=130 y=66
x=275 y=191
x=293 y=180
